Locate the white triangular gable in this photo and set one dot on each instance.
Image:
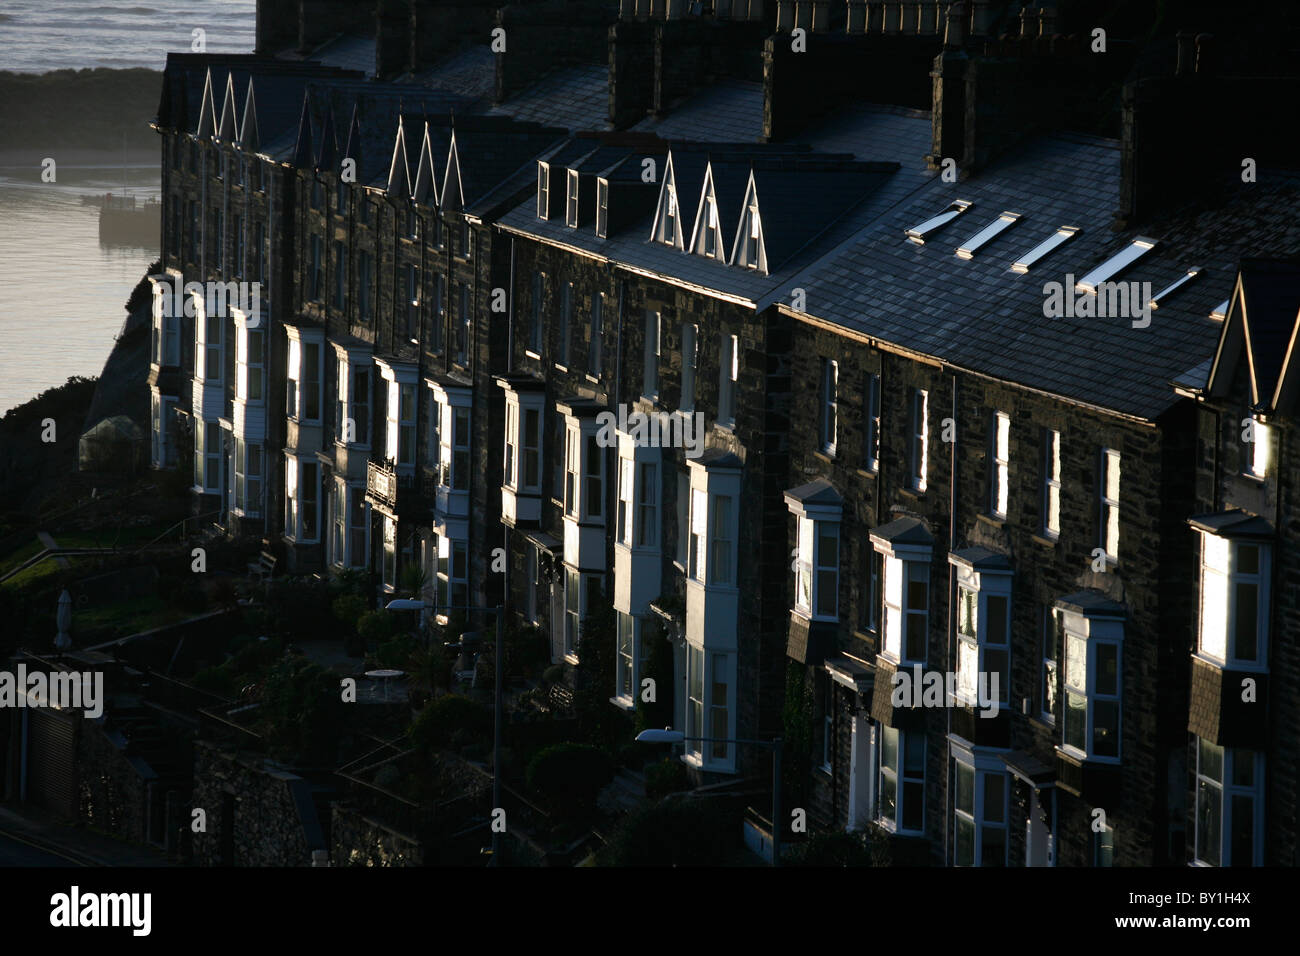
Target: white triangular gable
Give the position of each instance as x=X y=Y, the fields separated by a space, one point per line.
x=453 y=197
x=229 y=127
x=249 y=138
x=667 y=194
x=399 y=181
x=207 y=113
x=697 y=232
x=751 y=218
x=425 y=188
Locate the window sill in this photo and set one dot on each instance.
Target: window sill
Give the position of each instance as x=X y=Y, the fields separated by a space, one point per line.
x=1079 y=757
x=916 y=494
x=559 y=367
x=827 y=771
x=571 y=659
x=623 y=703
x=594 y=379
x=992 y=520
x=1044 y=540
x=869 y=472
x=1252 y=667
x=825 y=456
x=532 y=355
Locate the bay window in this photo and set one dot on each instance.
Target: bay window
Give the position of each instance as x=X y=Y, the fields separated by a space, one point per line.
x=1229 y=805
x=905 y=546
x=303 y=384
x=594 y=476
x=453 y=571
x=817 y=508
x=709 y=714
x=301 y=499
x=358 y=528
x=979 y=809
x=248 y=478
x=250 y=363
x=901 y=807
x=455 y=447
x=1092 y=637
x=1234 y=611
x=983 y=627
x=580 y=590
x=352 y=400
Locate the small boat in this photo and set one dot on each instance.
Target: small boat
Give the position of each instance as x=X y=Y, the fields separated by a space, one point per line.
x=124 y=220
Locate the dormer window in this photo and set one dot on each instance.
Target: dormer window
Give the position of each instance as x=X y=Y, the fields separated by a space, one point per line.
x=543 y=191
x=670 y=219
x=710 y=226
x=602 y=208
x=571 y=200
x=751 y=239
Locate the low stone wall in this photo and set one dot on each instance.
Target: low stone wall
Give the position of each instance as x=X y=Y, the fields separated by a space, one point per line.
x=361 y=841
x=113 y=790
x=253 y=817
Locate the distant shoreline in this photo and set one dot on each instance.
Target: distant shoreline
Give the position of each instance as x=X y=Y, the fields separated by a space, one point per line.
x=24 y=157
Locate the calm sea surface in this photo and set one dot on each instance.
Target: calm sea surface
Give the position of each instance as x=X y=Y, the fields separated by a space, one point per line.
x=62 y=292
x=41 y=35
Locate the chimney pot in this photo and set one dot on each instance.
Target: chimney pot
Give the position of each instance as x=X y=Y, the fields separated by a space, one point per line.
x=954 y=29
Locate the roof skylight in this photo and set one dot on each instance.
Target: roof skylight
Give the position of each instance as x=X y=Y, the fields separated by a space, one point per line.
x=1174 y=286
x=1061 y=235
x=917 y=234
x=1134 y=251
x=968 y=248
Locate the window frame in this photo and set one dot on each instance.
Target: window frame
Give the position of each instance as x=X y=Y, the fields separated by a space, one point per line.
x=1232 y=580
x=1229 y=793
x=1109 y=510
x=1050 y=526
x=828 y=420
x=900 y=775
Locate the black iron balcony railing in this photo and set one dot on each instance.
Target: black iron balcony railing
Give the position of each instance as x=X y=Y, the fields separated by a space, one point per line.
x=394 y=490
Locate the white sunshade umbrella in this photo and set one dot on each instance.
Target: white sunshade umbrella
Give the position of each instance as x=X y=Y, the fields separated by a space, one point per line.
x=64 y=619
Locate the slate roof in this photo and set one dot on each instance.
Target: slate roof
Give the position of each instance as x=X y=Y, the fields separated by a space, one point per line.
x=729 y=110
x=471 y=74
x=819 y=491
x=574 y=98
x=980 y=558
x=349 y=52
x=980 y=317
x=629 y=246
x=1232 y=524
x=497 y=153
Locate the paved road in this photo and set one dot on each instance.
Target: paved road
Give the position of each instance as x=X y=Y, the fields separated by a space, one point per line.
x=14 y=851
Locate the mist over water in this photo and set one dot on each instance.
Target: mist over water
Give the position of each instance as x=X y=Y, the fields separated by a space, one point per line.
x=41 y=35
x=62 y=294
